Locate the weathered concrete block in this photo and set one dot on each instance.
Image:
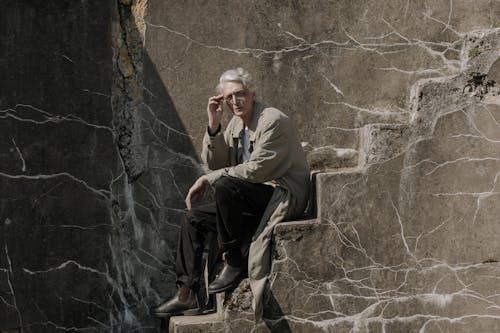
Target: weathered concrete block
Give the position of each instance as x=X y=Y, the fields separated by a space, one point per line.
x=329 y=157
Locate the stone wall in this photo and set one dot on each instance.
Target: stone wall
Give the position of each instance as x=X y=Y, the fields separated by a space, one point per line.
x=333 y=66
x=94 y=169
x=407 y=243
x=102 y=111
x=57 y=162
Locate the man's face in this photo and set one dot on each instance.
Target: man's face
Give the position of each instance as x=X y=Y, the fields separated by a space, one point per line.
x=238 y=99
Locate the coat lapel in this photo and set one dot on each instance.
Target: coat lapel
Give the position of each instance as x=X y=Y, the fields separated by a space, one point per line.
x=237 y=135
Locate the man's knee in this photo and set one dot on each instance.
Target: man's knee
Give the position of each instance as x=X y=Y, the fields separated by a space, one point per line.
x=226 y=186
x=223 y=184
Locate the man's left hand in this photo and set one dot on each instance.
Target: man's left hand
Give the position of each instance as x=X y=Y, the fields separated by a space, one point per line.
x=197 y=190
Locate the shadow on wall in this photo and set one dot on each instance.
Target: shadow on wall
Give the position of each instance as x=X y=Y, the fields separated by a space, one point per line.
x=159 y=156
x=82 y=244
x=160 y=163
x=81 y=247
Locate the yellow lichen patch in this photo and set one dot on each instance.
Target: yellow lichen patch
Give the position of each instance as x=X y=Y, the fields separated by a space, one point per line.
x=139 y=9
x=126 y=67
x=136 y=92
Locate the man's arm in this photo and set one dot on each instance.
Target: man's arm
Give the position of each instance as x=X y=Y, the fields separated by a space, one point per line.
x=215 y=150
x=196 y=190
x=269 y=159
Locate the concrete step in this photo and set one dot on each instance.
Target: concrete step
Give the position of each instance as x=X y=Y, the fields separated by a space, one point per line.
x=303 y=263
x=210 y=323
x=330 y=157
x=234 y=310
x=333 y=148
x=373 y=143
x=338 y=137
x=405 y=242
x=380 y=142
x=293 y=265
x=330 y=188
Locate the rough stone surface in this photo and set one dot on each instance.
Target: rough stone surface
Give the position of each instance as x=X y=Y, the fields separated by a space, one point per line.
x=409 y=243
x=102 y=111
x=94 y=169
x=328 y=157
x=382 y=142
x=327 y=64
x=58 y=161
x=199 y=324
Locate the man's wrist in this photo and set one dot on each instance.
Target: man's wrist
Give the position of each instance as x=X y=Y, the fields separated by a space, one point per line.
x=214 y=133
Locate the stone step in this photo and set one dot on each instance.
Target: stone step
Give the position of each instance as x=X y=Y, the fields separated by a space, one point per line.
x=381 y=142
x=378 y=143
x=331 y=187
x=291 y=263
x=343 y=286
x=338 y=137
x=212 y=322
x=303 y=264
x=358 y=147
x=235 y=312
x=333 y=148
x=330 y=157
x=406 y=241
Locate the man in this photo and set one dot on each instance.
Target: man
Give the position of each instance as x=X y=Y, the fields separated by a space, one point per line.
x=258 y=153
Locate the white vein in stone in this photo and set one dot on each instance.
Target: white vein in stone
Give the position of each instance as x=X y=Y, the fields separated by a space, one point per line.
x=464 y=159
x=337 y=90
x=57 y=327
x=87 y=302
x=99 y=192
x=162 y=123
x=10 y=275
x=67 y=58
x=65 y=265
x=96 y=93
x=75 y=226
x=23 y=168
x=47 y=117
x=258 y=52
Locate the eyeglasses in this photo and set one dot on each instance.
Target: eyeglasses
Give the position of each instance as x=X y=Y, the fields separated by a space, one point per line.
x=237 y=97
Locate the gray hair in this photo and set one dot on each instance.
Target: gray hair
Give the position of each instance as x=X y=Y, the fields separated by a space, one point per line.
x=236 y=75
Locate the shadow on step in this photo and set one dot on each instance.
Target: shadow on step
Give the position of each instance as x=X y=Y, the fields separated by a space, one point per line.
x=273 y=315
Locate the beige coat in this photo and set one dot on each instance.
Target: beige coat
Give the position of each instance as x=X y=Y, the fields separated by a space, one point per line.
x=276 y=159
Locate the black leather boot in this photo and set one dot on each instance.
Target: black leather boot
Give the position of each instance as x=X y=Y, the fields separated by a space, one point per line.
x=229 y=278
x=183 y=301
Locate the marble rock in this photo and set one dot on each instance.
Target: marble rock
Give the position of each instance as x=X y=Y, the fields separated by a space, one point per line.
x=408 y=243
x=102 y=112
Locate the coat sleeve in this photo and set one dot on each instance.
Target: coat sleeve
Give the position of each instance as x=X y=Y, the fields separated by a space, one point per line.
x=268 y=161
x=215 y=150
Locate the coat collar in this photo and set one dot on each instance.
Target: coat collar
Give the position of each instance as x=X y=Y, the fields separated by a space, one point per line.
x=237 y=131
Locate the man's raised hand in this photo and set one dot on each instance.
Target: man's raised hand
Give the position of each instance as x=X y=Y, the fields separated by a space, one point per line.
x=214 y=110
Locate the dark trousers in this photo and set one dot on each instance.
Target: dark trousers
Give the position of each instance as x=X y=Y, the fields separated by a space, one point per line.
x=226 y=225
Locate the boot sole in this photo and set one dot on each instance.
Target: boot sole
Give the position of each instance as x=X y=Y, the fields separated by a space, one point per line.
x=188 y=312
